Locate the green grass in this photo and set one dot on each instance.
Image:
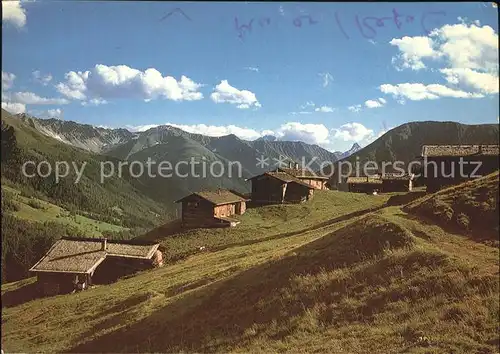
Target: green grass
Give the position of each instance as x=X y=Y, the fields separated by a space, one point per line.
x=470 y=208
x=36 y=210
x=264 y=223
x=316 y=277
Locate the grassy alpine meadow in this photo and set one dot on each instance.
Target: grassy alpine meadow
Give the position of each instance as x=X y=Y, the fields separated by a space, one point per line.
x=343 y=273
x=266 y=222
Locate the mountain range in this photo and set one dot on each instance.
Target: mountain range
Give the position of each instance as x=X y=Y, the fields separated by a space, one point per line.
x=167 y=143
x=157 y=142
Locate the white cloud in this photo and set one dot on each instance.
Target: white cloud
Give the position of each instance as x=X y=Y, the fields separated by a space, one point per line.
x=469 y=55
x=300 y=112
x=355 y=108
x=252 y=68
x=32 y=98
x=465 y=20
x=380 y=102
x=225 y=93
x=14 y=107
x=308 y=104
x=353 y=132
x=107 y=82
x=209 y=130
x=484 y=82
x=141 y=128
x=13 y=13
x=468 y=46
x=413 y=49
x=213 y=130
x=94 y=102
x=327 y=78
x=43 y=79
x=418 y=91
x=7 y=80
x=324 y=109
x=308 y=133
x=54 y=113
x=292 y=131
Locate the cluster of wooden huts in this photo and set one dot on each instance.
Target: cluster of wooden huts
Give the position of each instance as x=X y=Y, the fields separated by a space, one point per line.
x=381 y=183
x=74 y=263
x=443 y=163
x=440 y=166
x=216 y=208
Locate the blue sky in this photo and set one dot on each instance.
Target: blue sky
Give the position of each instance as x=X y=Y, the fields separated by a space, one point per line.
x=304 y=71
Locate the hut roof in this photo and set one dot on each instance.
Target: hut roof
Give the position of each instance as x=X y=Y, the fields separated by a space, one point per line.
x=397 y=176
x=219 y=197
x=364 y=180
x=302 y=173
x=84 y=255
x=284 y=177
x=459 y=150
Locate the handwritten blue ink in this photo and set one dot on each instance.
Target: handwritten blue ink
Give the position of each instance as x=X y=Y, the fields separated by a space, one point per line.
x=298 y=20
x=241 y=29
x=175 y=10
x=340 y=25
x=264 y=21
x=366 y=25
x=424 y=16
x=380 y=22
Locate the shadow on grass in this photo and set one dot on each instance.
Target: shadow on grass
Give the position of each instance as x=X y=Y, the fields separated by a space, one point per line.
x=21 y=295
x=405 y=198
x=301 y=231
x=255 y=302
x=485 y=236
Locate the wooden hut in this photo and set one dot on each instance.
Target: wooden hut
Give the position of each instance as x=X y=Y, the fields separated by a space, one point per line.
x=364 y=184
x=397 y=182
x=442 y=163
x=73 y=263
x=211 y=209
x=306 y=176
x=279 y=187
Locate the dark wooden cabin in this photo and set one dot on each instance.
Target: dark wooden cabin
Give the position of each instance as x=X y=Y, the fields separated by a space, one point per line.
x=441 y=163
x=306 y=176
x=279 y=187
x=76 y=263
x=211 y=209
x=397 y=182
x=364 y=184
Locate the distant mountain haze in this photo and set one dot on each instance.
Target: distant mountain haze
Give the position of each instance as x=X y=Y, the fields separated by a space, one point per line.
x=123 y=144
x=168 y=143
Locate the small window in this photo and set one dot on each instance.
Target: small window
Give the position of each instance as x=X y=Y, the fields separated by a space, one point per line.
x=193 y=204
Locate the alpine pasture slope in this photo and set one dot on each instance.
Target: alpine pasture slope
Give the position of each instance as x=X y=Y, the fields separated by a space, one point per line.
x=344 y=273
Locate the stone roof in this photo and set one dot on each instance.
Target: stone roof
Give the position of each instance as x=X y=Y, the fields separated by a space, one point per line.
x=364 y=180
x=302 y=173
x=459 y=150
x=397 y=176
x=218 y=197
x=81 y=255
x=284 y=177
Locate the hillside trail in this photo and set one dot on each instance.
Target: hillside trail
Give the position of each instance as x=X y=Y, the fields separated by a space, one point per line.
x=483 y=257
x=324 y=228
